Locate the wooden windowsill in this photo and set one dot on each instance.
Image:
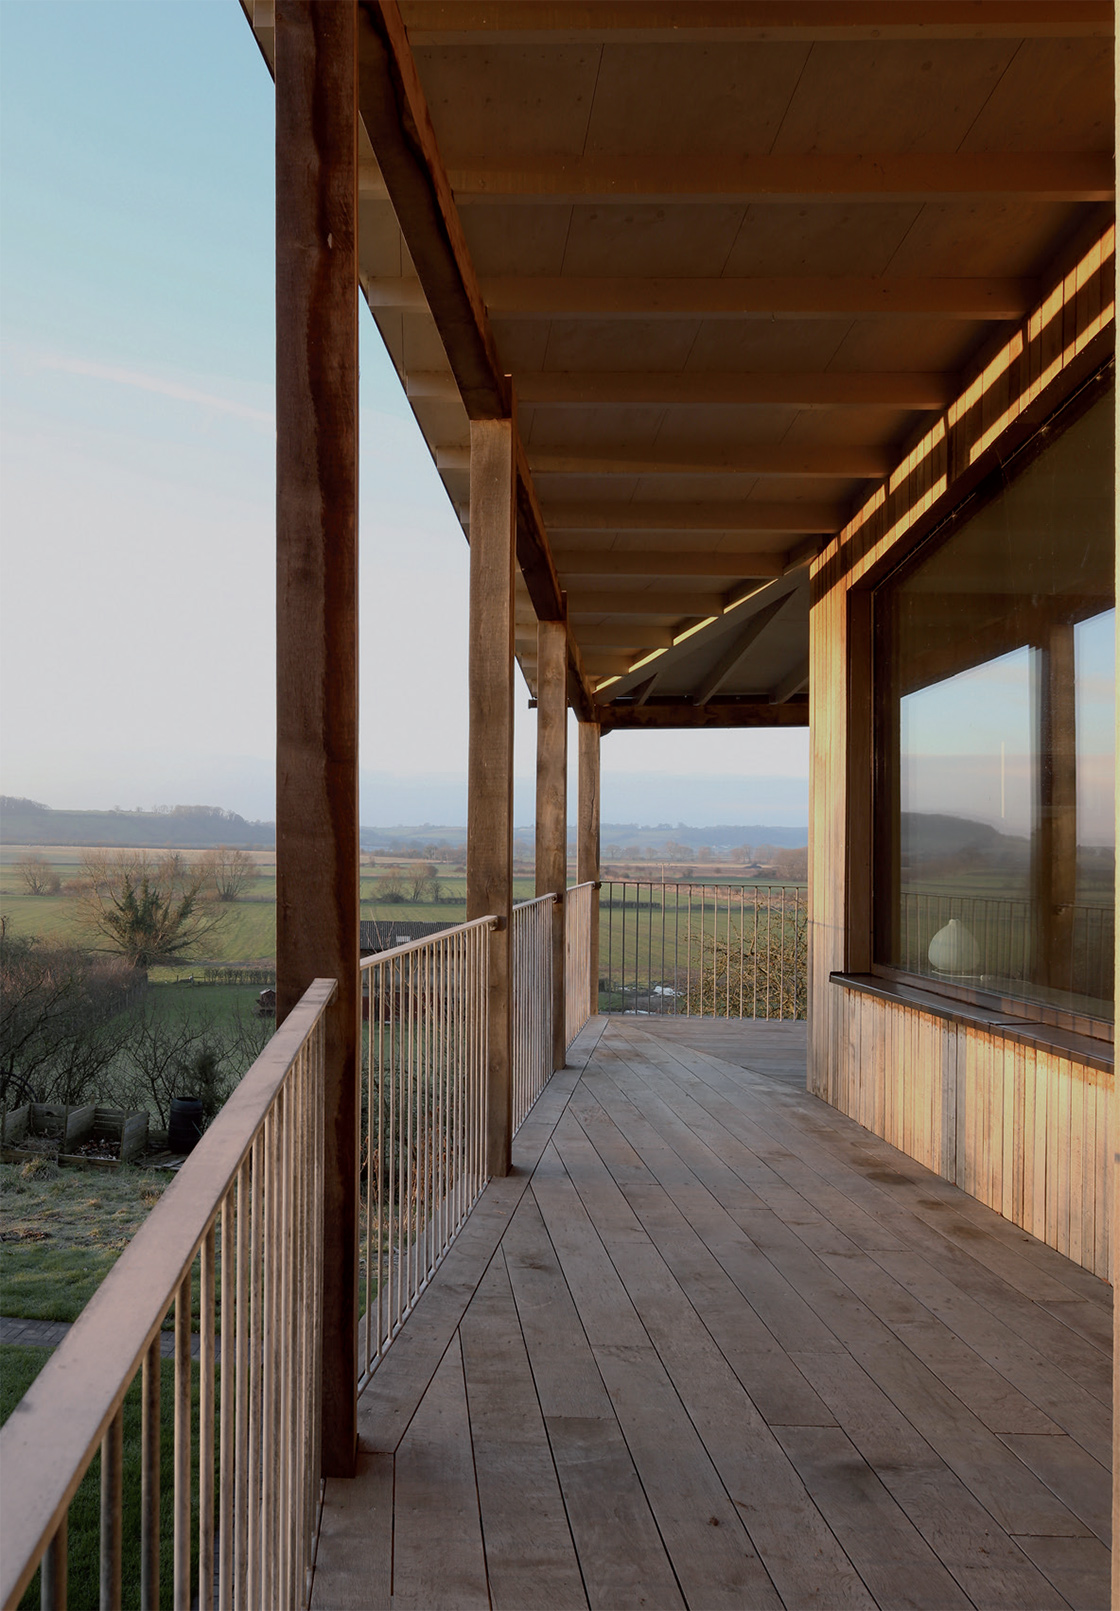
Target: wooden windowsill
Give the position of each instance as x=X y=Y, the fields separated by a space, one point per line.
x=1080 y=1048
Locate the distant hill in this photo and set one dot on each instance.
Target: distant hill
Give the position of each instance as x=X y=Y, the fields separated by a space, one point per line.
x=27 y=822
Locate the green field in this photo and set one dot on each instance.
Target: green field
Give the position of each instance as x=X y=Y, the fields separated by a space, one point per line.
x=18 y=1369
x=248 y=930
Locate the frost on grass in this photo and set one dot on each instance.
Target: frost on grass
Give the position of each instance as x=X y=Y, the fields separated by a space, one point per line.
x=60 y=1238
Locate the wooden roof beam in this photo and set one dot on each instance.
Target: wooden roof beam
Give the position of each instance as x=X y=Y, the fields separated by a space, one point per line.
x=654 y=562
x=661 y=606
x=793 y=683
x=515 y=22
x=631 y=634
x=808 y=518
x=395 y=114
x=737 y=648
x=753 y=459
x=707 y=389
x=912 y=176
x=667 y=713
x=784 y=296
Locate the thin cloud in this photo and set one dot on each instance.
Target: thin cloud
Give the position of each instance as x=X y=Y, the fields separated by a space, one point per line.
x=161 y=386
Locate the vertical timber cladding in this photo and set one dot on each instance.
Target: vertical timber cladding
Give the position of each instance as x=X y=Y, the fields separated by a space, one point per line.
x=493 y=527
x=317 y=624
x=1023 y=1129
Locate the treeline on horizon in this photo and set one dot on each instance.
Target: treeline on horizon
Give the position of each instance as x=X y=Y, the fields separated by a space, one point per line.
x=187 y=827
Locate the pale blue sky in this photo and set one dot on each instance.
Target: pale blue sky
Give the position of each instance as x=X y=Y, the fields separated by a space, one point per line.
x=137 y=491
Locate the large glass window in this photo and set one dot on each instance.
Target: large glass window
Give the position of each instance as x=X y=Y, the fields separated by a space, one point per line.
x=995 y=672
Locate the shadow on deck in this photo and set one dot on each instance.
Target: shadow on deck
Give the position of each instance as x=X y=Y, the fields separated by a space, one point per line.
x=714 y=1345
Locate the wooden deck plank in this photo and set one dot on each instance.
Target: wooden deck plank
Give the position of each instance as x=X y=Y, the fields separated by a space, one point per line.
x=354 y=1560
x=1079 y=1568
x=1045 y=1265
x=621 y=1555
x=529 y=1548
x=438 y=1558
x=799 y=1551
x=995 y=1292
x=712 y=1555
x=1007 y=1488
x=894 y=1560
x=988 y=1565
x=705 y=1294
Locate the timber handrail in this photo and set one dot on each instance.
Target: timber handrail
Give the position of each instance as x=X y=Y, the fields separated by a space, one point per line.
x=74 y=1405
x=393 y=952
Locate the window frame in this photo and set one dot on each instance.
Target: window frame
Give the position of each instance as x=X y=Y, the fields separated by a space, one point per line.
x=873 y=749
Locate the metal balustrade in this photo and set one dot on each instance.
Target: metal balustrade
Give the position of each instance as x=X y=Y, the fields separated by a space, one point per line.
x=422 y=1162
x=241 y=1229
x=580 y=989
x=1001 y=936
x=246 y=1209
x=704 y=950
x=531 y=975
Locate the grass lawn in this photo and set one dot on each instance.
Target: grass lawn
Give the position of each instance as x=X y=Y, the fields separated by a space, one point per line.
x=63 y=1231
x=18 y=1369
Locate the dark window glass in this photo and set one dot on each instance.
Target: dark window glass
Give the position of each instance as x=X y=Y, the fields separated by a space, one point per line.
x=995 y=670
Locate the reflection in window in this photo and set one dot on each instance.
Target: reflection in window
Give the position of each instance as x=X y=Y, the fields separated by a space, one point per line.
x=995 y=689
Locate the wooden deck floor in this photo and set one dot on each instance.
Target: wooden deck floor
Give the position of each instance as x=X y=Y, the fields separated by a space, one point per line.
x=714 y=1345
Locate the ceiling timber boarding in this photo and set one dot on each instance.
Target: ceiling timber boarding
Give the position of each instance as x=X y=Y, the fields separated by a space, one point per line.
x=732 y=257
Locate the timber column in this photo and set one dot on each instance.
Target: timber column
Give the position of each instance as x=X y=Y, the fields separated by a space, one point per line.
x=552 y=805
x=490 y=758
x=587 y=845
x=317 y=621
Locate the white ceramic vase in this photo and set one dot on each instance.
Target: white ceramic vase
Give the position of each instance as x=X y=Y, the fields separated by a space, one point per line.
x=953 y=949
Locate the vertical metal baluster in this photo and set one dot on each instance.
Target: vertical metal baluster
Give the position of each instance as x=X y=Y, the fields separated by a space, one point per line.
x=241 y=1440
x=377 y=983
x=112 y=1489
x=268 y=1366
x=366 y=1172
x=149 y=1477
x=253 y=1532
x=391 y=1201
x=754 y=955
x=207 y=1273
x=226 y=1422
x=182 y=1498
x=53 y=1570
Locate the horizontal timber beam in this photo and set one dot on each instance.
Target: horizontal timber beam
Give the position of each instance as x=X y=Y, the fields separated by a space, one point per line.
x=721 y=713
x=395 y=114
x=790 y=296
x=807 y=518
x=707 y=389
x=755 y=459
x=585 y=22
x=626 y=635
x=913 y=176
x=655 y=562
x=793 y=683
x=662 y=606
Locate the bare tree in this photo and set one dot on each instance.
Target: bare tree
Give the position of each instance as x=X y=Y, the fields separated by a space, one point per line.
x=62 y=1018
x=147 y=911
x=37 y=875
x=229 y=870
x=425 y=884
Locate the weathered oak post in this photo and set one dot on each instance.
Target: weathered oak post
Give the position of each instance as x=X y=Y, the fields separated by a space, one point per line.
x=317 y=620
x=552 y=804
x=587 y=846
x=490 y=756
